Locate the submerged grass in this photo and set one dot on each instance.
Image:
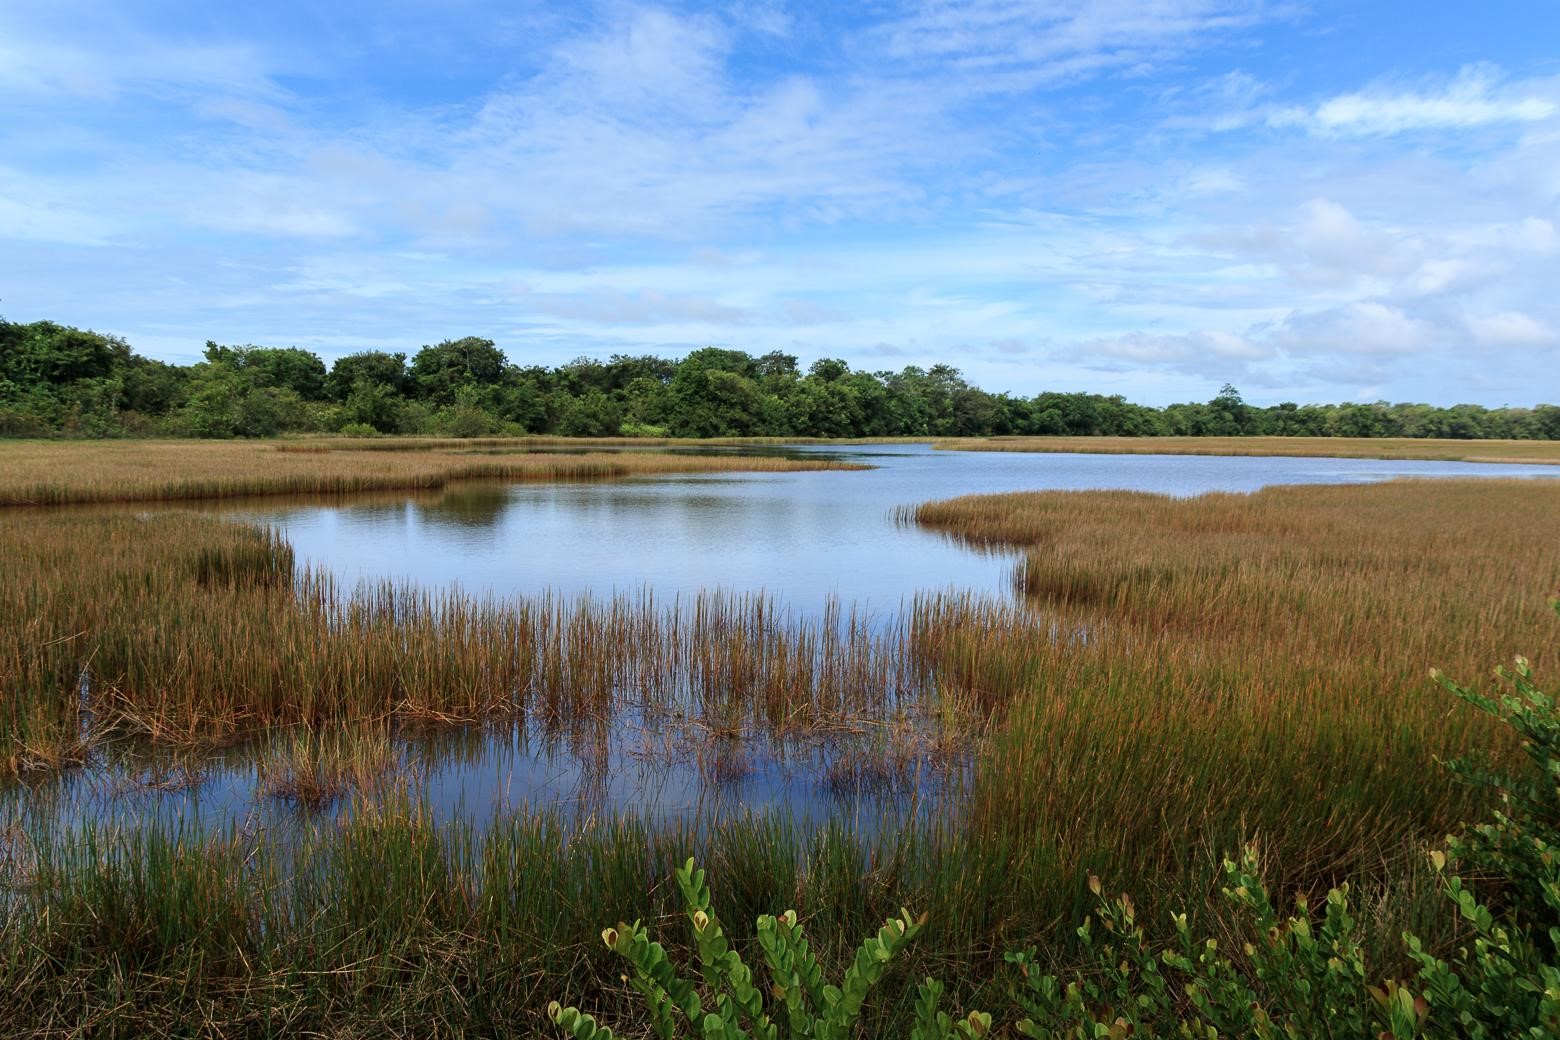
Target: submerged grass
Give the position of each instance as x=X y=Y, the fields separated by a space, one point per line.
x=70 y=472
x=315 y=770
x=1532 y=452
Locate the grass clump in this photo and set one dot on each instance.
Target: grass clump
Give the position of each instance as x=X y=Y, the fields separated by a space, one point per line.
x=314 y=770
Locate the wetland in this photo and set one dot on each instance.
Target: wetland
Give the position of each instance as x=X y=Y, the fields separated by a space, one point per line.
x=452 y=712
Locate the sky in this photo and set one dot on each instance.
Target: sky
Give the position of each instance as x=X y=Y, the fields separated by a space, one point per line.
x=1314 y=201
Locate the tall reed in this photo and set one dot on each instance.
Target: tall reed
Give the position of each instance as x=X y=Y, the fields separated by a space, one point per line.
x=69 y=472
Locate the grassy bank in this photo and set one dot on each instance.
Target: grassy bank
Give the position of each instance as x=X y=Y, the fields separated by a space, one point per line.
x=1530 y=452
x=68 y=472
x=1256 y=664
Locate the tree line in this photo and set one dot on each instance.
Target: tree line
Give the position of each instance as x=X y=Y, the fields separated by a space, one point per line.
x=61 y=381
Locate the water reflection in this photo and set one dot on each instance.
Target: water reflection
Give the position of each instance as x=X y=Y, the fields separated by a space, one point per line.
x=470 y=507
x=647 y=766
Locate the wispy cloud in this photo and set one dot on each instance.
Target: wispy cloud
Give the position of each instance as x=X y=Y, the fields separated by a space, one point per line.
x=1007 y=45
x=1475 y=98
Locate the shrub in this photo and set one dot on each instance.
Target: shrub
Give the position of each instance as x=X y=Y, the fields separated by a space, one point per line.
x=726 y=997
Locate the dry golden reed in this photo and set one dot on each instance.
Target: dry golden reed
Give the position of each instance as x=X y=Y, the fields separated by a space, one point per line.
x=69 y=472
x=1532 y=452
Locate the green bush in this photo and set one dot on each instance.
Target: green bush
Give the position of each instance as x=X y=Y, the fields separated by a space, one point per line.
x=726 y=996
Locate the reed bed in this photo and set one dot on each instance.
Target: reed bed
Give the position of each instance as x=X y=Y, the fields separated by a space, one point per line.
x=390 y=923
x=548 y=442
x=1254 y=667
x=70 y=472
x=185 y=630
x=1530 y=452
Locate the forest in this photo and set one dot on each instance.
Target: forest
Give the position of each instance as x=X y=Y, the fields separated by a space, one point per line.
x=60 y=381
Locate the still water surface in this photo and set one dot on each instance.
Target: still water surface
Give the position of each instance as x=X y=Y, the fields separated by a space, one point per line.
x=802 y=538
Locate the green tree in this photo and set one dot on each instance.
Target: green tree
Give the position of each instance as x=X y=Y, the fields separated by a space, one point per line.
x=374 y=367
x=593 y=414
x=282 y=368
x=440 y=370
x=373 y=404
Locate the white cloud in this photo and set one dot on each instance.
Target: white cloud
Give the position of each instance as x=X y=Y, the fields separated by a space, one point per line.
x=1363 y=327
x=650 y=59
x=104 y=59
x=1536 y=234
x=609 y=305
x=1473 y=99
x=1323 y=245
x=807 y=312
x=35 y=221
x=637 y=178
x=1511 y=328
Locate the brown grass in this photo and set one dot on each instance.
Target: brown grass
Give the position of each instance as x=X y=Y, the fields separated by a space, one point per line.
x=1237 y=667
x=314 y=770
x=66 y=472
x=1190 y=674
x=1530 y=452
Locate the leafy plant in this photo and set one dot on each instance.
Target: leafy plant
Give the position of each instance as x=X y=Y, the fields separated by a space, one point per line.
x=1297 y=977
x=1506 y=981
x=726 y=1003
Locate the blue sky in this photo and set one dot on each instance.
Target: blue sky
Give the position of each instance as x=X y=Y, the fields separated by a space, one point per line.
x=1313 y=200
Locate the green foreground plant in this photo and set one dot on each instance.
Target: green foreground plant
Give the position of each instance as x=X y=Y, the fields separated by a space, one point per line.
x=1294 y=976
x=730 y=999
